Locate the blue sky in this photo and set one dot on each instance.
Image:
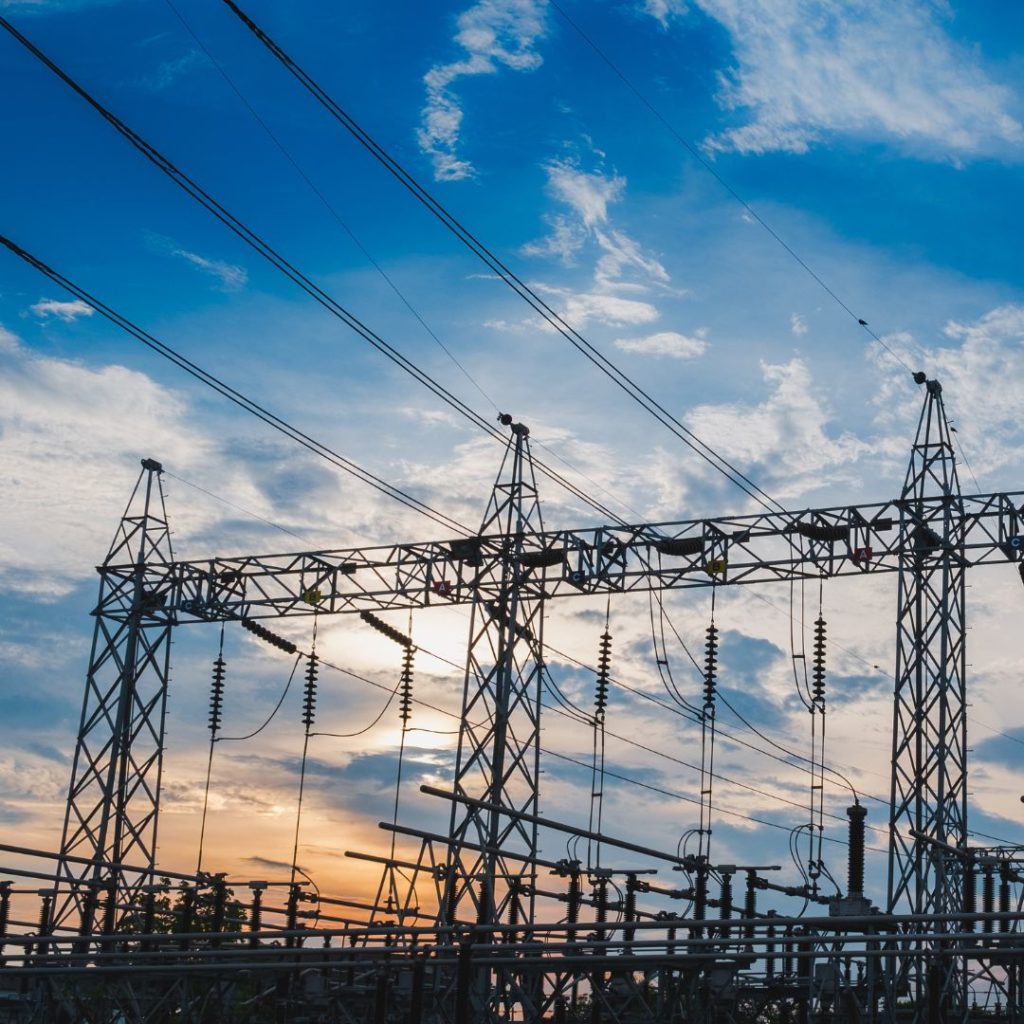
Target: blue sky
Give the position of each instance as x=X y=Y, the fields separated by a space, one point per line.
x=882 y=141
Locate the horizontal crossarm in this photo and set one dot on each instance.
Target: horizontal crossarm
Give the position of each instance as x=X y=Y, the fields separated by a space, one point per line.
x=770 y=547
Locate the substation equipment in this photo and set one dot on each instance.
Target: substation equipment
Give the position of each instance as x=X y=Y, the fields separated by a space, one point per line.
x=504 y=933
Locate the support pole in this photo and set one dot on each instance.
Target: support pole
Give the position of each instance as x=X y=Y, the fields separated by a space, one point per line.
x=929 y=762
x=113 y=799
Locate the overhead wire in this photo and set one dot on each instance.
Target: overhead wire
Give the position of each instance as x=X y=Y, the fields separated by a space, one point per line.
x=509 y=277
x=227 y=391
x=706 y=164
x=343 y=224
x=273 y=714
x=230 y=504
x=308 y=713
x=690 y=799
x=326 y=203
x=276 y=259
x=576 y=713
x=696 y=716
x=457 y=716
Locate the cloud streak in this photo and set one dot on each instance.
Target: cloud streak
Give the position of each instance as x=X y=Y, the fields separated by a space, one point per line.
x=230 y=276
x=494 y=34
x=667 y=343
x=68 y=312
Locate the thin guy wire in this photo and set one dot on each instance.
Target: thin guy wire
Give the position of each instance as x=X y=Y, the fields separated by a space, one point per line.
x=709 y=167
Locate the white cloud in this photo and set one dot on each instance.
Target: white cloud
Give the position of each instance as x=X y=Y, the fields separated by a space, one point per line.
x=66 y=311
x=869 y=68
x=797 y=324
x=170 y=71
x=232 y=277
x=667 y=343
x=664 y=10
x=563 y=242
x=494 y=34
x=785 y=441
x=582 y=308
x=982 y=374
x=587 y=194
x=622 y=269
x=621 y=253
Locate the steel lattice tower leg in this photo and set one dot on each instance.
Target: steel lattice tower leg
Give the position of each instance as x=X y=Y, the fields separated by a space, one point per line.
x=929 y=759
x=499 y=736
x=111 y=816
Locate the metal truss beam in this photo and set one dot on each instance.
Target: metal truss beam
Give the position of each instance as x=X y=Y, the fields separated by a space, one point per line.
x=114 y=795
x=848 y=540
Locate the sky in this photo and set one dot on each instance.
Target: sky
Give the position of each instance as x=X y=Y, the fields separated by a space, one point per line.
x=712 y=193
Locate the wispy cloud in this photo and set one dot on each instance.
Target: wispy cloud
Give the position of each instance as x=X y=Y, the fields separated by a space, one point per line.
x=171 y=70
x=667 y=343
x=624 y=273
x=230 y=276
x=663 y=10
x=494 y=34
x=66 y=311
x=868 y=68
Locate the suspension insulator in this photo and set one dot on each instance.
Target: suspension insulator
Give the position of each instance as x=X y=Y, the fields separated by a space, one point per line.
x=710 y=666
x=217 y=694
x=405 y=699
x=603 y=664
x=382 y=627
x=309 y=692
x=265 y=634
x=818 y=673
x=855 y=864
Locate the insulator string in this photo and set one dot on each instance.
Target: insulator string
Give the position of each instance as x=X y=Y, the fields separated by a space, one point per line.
x=404 y=714
x=216 y=708
x=707 y=733
x=597 y=774
x=308 y=717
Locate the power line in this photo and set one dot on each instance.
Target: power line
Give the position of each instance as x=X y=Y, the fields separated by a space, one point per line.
x=689 y=799
x=494 y=263
x=455 y=715
x=709 y=167
x=275 y=258
x=327 y=204
x=388 y=279
x=239 y=399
